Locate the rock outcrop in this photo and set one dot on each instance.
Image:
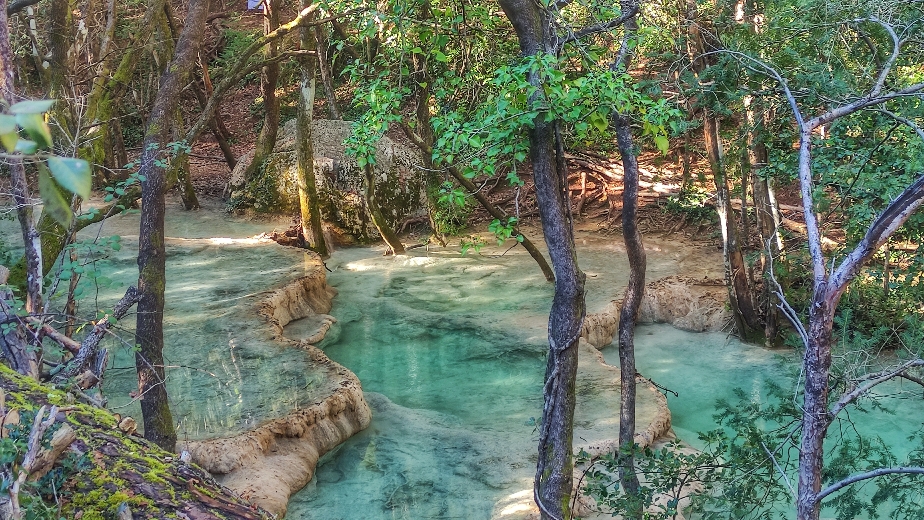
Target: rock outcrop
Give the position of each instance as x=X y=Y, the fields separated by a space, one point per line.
x=269 y=463
x=685 y=303
x=400 y=187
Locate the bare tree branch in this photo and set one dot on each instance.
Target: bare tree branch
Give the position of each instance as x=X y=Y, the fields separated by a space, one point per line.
x=897 y=212
x=89 y=346
x=837 y=486
x=871 y=381
x=887 y=66
x=597 y=28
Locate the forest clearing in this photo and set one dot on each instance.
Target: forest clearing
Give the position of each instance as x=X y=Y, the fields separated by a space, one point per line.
x=426 y=259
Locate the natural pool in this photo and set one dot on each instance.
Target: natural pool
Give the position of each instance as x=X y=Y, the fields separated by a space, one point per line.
x=450 y=351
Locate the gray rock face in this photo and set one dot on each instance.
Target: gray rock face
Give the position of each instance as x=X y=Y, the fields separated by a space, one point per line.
x=400 y=184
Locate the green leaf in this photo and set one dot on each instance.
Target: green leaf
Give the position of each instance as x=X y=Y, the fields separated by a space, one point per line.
x=36 y=106
x=26 y=146
x=439 y=56
x=72 y=174
x=662 y=143
x=8 y=132
x=599 y=122
x=55 y=204
x=34 y=124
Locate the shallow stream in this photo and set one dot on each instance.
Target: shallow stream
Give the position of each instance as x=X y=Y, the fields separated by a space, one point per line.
x=450 y=351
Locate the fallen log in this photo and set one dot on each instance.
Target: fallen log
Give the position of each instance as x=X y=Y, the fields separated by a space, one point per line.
x=106 y=472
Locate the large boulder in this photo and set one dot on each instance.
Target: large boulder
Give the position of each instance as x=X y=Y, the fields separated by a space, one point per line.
x=400 y=184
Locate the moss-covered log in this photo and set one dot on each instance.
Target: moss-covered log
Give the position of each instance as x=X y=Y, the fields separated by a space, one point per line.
x=104 y=469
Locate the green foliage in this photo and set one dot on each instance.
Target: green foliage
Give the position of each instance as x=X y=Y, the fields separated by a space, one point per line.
x=691 y=205
x=472 y=243
x=734 y=476
x=451 y=209
x=235 y=42
x=56 y=174
x=504 y=230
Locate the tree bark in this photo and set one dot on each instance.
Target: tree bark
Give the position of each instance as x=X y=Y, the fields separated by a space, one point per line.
x=105 y=99
x=635 y=290
x=158 y=421
x=321 y=43
x=768 y=217
x=269 y=77
x=554 y=480
x=18 y=181
x=308 y=202
x=375 y=213
x=736 y=274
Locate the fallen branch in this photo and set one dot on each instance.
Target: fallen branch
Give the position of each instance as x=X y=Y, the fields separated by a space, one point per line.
x=88 y=348
x=28 y=462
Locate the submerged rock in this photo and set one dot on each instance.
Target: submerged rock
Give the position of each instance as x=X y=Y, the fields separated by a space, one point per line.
x=269 y=463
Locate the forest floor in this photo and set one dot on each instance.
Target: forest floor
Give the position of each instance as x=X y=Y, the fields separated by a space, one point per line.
x=595 y=175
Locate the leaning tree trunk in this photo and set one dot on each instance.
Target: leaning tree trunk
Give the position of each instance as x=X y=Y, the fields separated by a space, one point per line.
x=554 y=479
x=375 y=213
x=149 y=333
x=491 y=208
x=308 y=202
x=736 y=273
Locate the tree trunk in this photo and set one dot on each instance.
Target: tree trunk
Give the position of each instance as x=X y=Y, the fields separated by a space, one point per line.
x=375 y=213
x=493 y=210
x=158 y=421
x=18 y=181
x=308 y=202
x=554 y=480
x=739 y=291
x=765 y=208
x=106 y=95
x=321 y=44
x=736 y=273
x=635 y=290
x=266 y=141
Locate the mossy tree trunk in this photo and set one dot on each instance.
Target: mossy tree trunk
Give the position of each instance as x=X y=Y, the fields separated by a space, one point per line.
x=308 y=202
x=105 y=99
x=149 y=334
x=266 y=141
x=375 y=213
x=179 y=164
x=553 y=485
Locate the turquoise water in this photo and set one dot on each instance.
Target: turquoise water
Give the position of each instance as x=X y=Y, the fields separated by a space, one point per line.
x=450 y=351
x=224 y=371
